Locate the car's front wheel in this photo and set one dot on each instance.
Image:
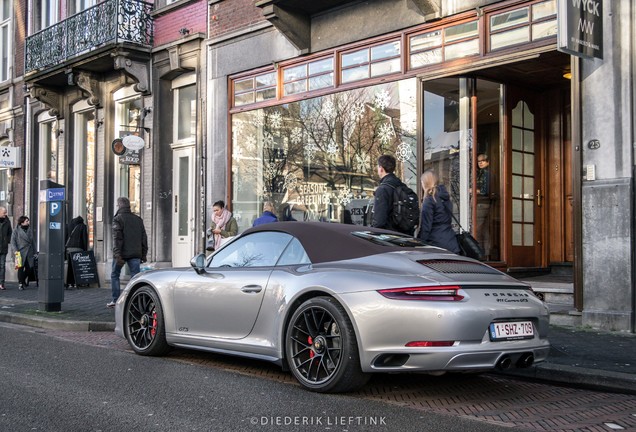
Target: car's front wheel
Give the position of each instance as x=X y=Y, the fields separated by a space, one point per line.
x=321 y=347
x=144 y=324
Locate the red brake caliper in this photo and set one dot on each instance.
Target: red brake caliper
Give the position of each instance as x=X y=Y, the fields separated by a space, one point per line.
x=153 y=331
x=310 y=341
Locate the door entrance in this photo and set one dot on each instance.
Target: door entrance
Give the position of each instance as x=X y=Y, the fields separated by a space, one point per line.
x=526 y=197
x=183 y=206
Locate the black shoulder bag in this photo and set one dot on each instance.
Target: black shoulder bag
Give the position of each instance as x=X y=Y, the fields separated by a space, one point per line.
x=470 y=247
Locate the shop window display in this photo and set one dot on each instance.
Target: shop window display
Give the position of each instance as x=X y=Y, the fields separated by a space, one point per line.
x=316 y=159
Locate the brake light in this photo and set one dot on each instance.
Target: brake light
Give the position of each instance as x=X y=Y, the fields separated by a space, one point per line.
x=437 y=293
x=430 y=344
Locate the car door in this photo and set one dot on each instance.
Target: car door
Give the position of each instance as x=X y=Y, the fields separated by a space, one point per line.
x=225 y=299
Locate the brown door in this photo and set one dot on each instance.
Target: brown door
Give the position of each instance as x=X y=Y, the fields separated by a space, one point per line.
x=526 y=196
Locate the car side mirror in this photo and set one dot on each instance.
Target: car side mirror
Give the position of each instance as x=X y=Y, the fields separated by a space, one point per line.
x=198 y=263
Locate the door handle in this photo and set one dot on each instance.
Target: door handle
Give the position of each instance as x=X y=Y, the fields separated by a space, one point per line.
x=252 y=289
x=539 y=197
x=176 y=203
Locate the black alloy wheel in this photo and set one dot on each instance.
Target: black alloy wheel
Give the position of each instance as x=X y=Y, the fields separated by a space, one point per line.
x=321 y=346
x=144 y=324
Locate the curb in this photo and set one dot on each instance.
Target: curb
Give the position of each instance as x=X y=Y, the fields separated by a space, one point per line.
x=53 y=324
x=591 y=378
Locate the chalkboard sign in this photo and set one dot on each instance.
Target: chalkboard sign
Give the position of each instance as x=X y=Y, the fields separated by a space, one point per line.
x=84 y=268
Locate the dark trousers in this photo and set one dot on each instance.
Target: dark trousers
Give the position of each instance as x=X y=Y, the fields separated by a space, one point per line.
x=23 y=273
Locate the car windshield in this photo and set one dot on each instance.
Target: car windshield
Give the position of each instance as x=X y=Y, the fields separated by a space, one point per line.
x=393 y=240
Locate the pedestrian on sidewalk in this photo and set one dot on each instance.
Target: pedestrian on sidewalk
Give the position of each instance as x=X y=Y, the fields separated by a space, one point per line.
x=22 y=242
x=223 y=226
x=268 y=215
x=77 y=242
x=130 y=245
x=5 y=240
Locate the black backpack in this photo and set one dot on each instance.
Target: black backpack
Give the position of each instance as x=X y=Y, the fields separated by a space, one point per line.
x=406 y=209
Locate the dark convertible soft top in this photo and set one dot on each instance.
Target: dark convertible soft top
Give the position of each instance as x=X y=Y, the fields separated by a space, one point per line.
x=326 y=242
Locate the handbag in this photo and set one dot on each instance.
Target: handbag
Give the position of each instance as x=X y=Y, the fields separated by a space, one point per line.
x=18 y=260
x=209 y=243
x=225 y=240
x=469 y=245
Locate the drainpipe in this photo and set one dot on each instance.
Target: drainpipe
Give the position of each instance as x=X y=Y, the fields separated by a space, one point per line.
x=632 y=74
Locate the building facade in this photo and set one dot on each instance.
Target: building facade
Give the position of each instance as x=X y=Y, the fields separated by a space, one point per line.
x=114 y=108
x=303 y=98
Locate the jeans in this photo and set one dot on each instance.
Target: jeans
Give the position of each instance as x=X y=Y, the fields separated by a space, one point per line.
x=133 y=266
x=3 y=267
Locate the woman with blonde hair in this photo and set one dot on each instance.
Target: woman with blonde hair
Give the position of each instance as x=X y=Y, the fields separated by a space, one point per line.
x=436 y=217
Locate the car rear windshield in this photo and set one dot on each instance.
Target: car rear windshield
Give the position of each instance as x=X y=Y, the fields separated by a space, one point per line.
x=392 y=240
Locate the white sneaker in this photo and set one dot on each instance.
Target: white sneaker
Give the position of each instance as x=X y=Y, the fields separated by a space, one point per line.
x=111 y=304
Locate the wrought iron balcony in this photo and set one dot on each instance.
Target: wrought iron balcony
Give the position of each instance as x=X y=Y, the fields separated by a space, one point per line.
x=106 y=24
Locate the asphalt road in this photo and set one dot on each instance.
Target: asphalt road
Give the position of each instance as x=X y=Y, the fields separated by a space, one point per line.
x=48 y=384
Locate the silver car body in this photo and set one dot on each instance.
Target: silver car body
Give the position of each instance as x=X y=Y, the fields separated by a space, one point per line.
x=245 y=310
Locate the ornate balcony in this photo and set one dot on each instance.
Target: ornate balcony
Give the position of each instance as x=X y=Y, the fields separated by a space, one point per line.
x=101 y=28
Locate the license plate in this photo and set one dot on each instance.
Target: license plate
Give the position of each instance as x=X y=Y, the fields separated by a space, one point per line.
x=502 y=331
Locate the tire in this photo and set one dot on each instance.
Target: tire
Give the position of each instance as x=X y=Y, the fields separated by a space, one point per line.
x=321 y=348
x=144 y=325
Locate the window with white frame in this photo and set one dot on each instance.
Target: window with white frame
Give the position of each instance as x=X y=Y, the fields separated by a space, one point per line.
x=128 y=121
x=48 y=147
x=81 y=5
x=5 y=39
x=185 y=109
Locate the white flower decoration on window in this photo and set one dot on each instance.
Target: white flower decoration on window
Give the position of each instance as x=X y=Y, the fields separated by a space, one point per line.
x=296 y=135
x=344 y=196
x=259 y=119
x=290 y=181
x=386 y=133
x=357 y=111
x=276 y=120
x=250 y=143
x=328 y=110
x=362 y=162
x=403 y=152
x=270 y=170
x=382 y=100
x=310 y=150
x=268 y=140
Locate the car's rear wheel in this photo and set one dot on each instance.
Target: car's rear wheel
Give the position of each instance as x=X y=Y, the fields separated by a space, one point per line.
x=321 y=347
x=144 y=324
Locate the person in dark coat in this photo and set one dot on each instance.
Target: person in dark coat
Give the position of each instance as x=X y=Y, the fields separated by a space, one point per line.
x=383 y=196
x=436 y=218
x=77 y=242
x=5 y=239
x=268 y=215
x=130 y=245
x=22 y=241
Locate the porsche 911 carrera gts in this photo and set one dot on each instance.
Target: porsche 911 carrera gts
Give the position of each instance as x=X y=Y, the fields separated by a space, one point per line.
x=334 y=303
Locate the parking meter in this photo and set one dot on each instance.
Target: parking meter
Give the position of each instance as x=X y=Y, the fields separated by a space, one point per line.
x=51 y=230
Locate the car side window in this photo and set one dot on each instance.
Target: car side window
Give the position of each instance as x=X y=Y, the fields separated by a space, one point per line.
x=261 y=249
x=294 y=254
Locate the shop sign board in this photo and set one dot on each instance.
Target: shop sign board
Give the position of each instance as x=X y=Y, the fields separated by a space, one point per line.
x=580 y=28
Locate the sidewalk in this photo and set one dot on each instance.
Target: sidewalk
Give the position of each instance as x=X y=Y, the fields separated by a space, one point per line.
x=590 y=358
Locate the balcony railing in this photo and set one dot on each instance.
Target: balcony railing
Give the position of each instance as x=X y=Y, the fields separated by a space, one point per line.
x=109 y=22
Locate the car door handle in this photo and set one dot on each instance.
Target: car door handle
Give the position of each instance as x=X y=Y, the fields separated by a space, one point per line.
x=252 y=289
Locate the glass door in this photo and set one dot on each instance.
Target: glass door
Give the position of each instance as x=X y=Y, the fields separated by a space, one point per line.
x=183 y=206
x=456 y=110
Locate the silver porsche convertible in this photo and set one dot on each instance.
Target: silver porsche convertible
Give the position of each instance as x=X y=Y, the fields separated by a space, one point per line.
x=334 y=303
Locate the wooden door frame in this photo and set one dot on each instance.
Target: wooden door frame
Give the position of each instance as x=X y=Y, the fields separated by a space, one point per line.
x=539 y=259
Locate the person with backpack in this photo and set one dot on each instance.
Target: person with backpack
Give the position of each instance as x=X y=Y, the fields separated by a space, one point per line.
x=395 y=205
x=437 y=212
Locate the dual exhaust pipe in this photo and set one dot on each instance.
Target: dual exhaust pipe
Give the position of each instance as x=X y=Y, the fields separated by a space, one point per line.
x=524 y=361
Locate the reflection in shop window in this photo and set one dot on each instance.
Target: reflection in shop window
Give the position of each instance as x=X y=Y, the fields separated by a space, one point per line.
x=316 y=159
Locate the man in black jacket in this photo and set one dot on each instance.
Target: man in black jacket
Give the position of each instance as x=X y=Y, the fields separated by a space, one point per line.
x=130 y=244
x=5 y=239
x=383 y=201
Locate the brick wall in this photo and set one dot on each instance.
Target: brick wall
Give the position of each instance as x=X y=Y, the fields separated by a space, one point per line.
x=192 y=16
x=231 y=15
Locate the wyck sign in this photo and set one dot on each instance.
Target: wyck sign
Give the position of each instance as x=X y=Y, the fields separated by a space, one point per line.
x=580 y=27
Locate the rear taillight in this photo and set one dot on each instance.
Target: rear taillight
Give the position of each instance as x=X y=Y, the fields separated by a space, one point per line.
x=438 y=293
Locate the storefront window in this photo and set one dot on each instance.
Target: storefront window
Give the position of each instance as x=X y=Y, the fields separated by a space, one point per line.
x=84 y=174
x=129 y=178
x=316 y=159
